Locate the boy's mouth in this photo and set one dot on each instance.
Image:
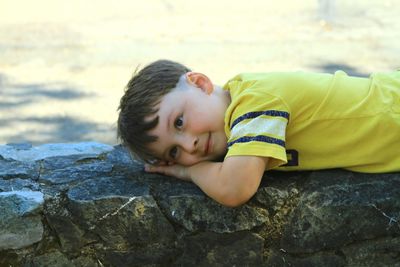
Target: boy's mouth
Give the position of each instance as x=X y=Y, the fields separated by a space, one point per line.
x=207 y=145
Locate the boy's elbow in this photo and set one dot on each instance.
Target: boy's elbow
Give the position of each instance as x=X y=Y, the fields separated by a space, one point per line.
x=232 y=203
x=239 y=186
x=235 y=199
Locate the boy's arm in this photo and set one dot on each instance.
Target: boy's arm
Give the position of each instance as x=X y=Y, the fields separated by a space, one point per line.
x=231 y=183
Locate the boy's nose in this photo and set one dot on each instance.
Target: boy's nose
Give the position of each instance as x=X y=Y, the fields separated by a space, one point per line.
x=190 y=143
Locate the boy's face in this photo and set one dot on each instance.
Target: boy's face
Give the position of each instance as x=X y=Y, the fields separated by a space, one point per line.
x=191 y=122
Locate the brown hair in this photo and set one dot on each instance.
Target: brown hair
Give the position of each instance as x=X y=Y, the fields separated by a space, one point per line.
x=142 y=94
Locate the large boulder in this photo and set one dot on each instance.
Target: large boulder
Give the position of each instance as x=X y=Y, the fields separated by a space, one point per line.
x=90 y=204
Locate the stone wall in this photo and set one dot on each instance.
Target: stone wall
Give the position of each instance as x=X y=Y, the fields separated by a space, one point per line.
x=89 y=204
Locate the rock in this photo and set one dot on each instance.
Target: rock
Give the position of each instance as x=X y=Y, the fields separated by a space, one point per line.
x=74 y=171
x=120 y=211
x=54 y=258
x=379 y=252
x=10 y=169
x=273 y=198
x=27 y=153
x=326 y=259
x=18 y=184
x=199 y=213
x=122 y=162
x=70 y=237
x=210 y=249
x=90 y=204
x=20 y=223
x=335 y=215
x=186 y=205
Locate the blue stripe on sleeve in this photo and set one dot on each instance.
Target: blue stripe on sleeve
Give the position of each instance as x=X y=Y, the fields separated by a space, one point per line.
x=254 y=114
x=259 y=138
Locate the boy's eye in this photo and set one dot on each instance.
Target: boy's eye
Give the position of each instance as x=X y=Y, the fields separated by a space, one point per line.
x=179 y=122
x=173 y=152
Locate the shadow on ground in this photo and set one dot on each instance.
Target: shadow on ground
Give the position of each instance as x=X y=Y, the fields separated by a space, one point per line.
x=57 y=129
x=52 y=128
x=332 y=67
x=13 y=95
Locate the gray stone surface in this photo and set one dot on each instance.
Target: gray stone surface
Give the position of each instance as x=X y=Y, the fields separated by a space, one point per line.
x=10 y=169
x=53 y=258
x=211 y=249
x=330 y=216
x=24 y=153
x=86 y=208
x=204 y=215
x=20 y=224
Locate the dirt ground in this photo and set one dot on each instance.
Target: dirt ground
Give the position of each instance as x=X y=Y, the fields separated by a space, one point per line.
x=64 y=64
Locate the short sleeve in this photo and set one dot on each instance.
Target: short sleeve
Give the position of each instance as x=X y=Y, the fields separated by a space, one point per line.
x=255 y=124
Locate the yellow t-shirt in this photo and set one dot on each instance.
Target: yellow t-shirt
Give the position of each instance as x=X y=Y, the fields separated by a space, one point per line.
x=307 y=121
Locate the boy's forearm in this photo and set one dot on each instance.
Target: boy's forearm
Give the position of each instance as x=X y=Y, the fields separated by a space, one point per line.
x=207 y=175
x=227 y=185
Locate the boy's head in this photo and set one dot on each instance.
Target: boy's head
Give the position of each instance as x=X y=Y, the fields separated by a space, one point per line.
x=170 y=114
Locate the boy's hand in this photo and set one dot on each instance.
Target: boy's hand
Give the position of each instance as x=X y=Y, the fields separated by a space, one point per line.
x=176 y=170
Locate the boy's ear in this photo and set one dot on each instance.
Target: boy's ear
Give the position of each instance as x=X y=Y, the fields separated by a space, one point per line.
x=201 y=81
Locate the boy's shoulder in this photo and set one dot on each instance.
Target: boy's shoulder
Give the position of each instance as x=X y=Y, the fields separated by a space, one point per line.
x=283 y=84
x=278 y=75
x=259 y=82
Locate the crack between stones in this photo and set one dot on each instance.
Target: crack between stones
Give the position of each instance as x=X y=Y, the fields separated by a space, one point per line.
x=110 y=214
x=41 y=167
x=391 y=219
x=157 y=201
x=178 y=229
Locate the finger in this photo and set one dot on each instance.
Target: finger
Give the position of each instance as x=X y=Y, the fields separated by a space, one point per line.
x=146 y=166
x=154 y=168
x=161 y=163
x=149 y=168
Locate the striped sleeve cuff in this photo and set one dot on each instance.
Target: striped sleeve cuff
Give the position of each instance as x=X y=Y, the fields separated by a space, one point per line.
x=262 y=126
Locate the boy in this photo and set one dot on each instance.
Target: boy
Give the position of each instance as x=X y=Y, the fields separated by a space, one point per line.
x=181 y=123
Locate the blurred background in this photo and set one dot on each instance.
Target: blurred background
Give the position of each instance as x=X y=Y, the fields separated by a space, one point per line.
x=64 y=64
